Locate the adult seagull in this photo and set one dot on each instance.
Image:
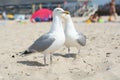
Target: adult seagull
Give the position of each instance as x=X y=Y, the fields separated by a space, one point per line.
x=51 y=41
x=73 y=38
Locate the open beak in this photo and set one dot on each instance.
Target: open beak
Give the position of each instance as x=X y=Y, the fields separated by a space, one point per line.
x=66 y=12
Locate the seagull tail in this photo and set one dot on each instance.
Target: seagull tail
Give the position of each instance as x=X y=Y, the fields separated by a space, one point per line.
x=25 y=53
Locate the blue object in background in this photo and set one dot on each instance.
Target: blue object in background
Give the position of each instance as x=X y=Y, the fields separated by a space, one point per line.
x=37 y=19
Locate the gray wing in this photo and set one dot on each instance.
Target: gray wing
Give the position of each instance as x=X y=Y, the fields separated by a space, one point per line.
x=42 y=43
x=82 y=39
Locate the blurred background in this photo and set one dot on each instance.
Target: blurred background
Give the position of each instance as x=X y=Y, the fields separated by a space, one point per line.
x=81 y=8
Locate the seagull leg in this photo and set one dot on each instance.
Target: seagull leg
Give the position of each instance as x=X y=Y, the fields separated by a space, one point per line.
x=51 y=58
x=69 y=52
x=44 y=59
x=78 y=51
x=68 y=49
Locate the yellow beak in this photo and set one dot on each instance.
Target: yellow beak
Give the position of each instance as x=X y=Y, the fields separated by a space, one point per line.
x=66 y=12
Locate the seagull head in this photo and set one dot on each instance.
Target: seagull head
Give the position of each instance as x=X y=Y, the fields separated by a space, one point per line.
x=59 y=11
x=66 y=16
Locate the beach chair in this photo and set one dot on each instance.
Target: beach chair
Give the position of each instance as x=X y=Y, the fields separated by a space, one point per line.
x=90 y=11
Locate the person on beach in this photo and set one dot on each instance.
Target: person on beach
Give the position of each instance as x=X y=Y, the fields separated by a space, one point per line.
x=94 y=17
x=113 y=14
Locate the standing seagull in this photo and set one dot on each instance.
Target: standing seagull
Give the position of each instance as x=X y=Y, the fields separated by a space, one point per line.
x=73 y=38
x=51 y=41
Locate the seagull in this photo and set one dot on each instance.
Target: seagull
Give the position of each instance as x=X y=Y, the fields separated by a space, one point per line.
x=73 y=38
x=51 y=41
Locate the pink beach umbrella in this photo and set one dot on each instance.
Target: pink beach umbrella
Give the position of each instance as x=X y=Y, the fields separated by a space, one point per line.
x=44 y=14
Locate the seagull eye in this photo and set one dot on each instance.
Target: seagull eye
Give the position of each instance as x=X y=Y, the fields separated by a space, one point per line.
x=57 y=10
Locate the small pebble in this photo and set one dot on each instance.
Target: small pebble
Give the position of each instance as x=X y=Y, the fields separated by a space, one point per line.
x=27 y=74
x=84 y=61
x=92 y=69
x=107 y=68
x=71 y=72
x=90 y=49
x=21 y=71
x=116 y=47
x=6 y=67
x=118 y=35
x=17 y=54
x=108 y=54
x=93 y=38
x=112 y=38
x=34 y=57
x=118 y=56
x=2 y=53
x=13 y=56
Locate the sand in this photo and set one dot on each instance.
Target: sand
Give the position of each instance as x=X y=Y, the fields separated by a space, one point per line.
x=98 y=60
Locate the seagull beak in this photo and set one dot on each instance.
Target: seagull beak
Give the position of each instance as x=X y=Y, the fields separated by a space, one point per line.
x=66 y=12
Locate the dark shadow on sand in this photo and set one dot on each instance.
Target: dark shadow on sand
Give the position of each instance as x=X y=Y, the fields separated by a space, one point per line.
x=31 y=63
x=67 y=55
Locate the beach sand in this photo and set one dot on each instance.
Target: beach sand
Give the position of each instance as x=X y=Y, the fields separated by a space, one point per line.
x=98 y=60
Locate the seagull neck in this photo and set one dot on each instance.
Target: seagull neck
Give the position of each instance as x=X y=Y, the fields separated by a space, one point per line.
x=56 y=24
x=69 y=26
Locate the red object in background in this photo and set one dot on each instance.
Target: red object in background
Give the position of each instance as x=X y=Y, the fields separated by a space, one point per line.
x=65 y=1
x=86 y=2
x=43 y=14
